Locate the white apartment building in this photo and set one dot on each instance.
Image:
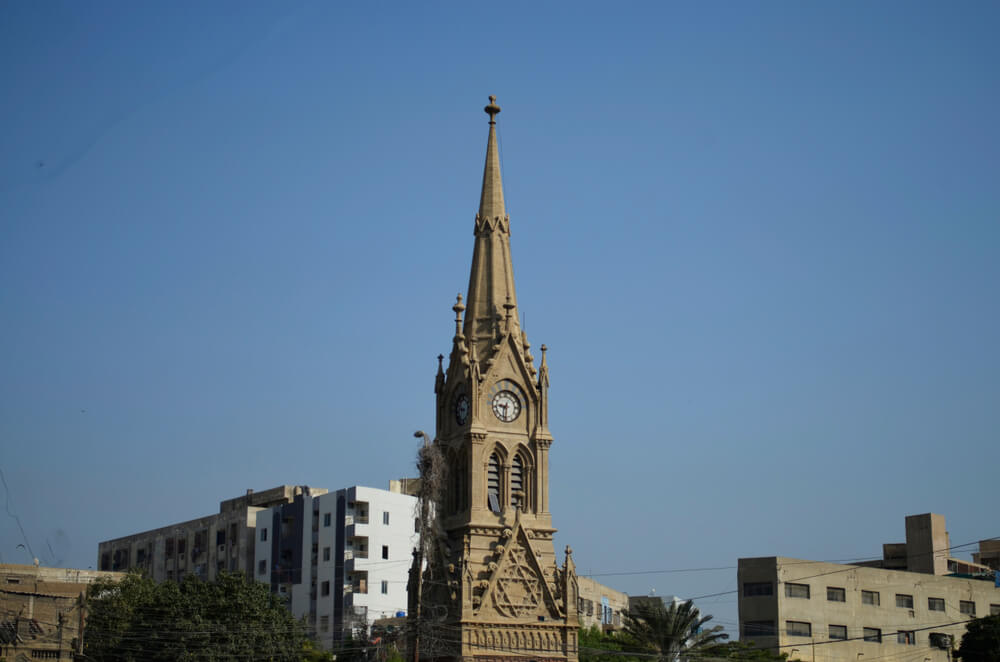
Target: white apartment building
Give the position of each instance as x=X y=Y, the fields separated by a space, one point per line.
x=340 y=559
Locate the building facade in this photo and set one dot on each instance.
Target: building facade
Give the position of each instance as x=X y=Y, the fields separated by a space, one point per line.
x=489 y=587
x=203 y=547
x=340 y=559
x=41 y=611
x=911 y=603
x=600 y=606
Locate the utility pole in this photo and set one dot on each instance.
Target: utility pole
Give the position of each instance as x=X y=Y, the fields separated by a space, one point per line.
x=424 y=516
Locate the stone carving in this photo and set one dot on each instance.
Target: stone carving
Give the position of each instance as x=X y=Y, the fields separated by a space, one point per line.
x=518 y=591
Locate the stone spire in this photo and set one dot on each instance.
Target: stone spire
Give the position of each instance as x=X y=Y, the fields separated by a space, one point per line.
x=492 y=302
x=491 y=201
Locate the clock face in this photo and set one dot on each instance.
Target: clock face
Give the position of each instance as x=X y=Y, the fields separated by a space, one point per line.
x=462 y=408
x=506 y=406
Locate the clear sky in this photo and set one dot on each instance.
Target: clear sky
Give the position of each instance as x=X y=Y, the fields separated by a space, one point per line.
x=760 y=239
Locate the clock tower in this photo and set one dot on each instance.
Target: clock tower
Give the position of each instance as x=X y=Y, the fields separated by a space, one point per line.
x=492 y=588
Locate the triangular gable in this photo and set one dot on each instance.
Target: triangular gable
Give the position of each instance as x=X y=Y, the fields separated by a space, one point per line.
x=509 y=359
x=517 y=587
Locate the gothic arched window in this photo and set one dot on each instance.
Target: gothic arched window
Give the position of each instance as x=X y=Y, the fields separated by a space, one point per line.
x=493 y=483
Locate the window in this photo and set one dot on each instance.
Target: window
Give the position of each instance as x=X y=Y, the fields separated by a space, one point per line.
x=904 y=601
x=169 y=550
x=935 y=604
x=416 y=525
x=758 y=629
x=994 y=610
x=326 y=519
x=872 y=634
x=324 y=589
x=385 y=517
x=939 y=640
x=967 y=607
x=755 y=589
x=798 y=629
x=385 y=587
x=263 y=535
x=838 y=632
x=797 y=591
x=326 y=553
x=13 y=580
x=870 y=598
x=834 y=594
x=906 y=637
x=517 y=481
x=493 y=483
x=385 y=551
x=220 y=537
x=324 y=623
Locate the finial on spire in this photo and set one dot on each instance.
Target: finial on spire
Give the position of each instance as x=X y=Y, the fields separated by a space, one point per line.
x=458 y=308
x=493 y=109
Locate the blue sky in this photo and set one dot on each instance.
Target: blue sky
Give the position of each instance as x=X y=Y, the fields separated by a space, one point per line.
x=760 y=240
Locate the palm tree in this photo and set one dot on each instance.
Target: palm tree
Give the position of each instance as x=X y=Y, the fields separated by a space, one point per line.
x=674 y=632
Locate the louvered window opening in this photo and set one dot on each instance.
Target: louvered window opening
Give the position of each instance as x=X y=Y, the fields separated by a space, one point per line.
x=493 y=481
x=517 y=480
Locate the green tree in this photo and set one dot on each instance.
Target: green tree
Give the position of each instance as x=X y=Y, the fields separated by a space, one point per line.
x=675 y=632
x=138 y=619
x=598 y=646
x=981 y=642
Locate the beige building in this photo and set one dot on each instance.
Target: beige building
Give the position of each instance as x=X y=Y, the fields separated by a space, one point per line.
x=41 y=611
x=913 y=603
x=600 y=606
x=205 y=546
x=988 y=554
x=493 y=589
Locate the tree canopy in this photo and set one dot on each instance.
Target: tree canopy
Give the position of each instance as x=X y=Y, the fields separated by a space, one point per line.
x=598 y=646
x=673 y=632
x=981 y=642
x=138 y=619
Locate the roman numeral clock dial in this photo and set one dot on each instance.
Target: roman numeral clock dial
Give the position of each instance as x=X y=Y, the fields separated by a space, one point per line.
x=505 y=400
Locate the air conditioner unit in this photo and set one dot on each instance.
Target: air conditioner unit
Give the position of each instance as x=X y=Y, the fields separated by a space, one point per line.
x=940 y=640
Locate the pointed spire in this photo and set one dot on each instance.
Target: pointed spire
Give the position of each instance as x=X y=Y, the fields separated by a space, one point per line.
x=491 y=204
x=439 y=378
x=492 y=301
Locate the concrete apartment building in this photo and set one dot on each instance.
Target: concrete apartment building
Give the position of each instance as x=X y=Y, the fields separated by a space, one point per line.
x=203 y=546
x=913 y=603
x=340 y=559
x=41 y=611
x=600 y=606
